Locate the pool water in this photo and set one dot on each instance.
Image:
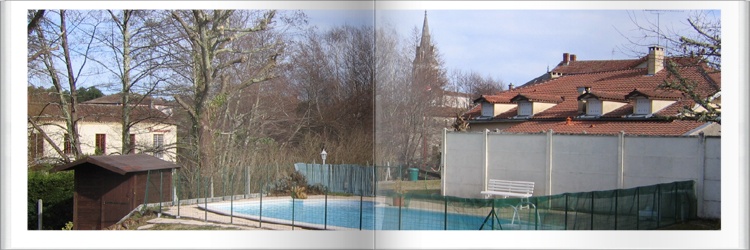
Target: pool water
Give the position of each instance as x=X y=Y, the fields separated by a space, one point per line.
x=346 y=214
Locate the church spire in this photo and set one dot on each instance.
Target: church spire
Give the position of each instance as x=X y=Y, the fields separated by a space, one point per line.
x=425 y=31
x=425 y=47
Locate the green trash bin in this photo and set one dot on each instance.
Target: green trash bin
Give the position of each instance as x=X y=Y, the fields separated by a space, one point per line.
x=413 y=174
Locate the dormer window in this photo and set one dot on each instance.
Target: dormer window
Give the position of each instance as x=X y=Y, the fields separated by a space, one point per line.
x=493 y=106
x=525 y=108
x=642 y=106
x=648 y=102
x=487 y=109
x=594 y=107
x=532 y=104
x=596 y=104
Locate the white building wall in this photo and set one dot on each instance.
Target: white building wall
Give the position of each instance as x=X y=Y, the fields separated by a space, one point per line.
x=144 y=133
x=580 y=163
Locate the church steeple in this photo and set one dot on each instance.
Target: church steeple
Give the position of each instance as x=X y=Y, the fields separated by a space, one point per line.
x=425 y=31
x=425 y=49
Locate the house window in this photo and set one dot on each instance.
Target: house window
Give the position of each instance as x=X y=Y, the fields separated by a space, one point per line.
x=158 y=145
x=37 y=147
x=67 y=149
x=524 y=108
x=101 y=144
x=488 y=109
x=131 y=149
x=594 y=107
x=642 y=106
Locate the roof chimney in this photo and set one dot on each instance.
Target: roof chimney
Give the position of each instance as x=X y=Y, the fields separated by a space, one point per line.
x=566 y=58
x=510 y=86
x=655 y=59
x=572 y=57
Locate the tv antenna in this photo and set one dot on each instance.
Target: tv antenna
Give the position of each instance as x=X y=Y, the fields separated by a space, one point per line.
x=658 y=24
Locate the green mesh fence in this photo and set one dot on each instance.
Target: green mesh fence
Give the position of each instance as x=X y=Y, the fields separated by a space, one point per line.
x=640 y=208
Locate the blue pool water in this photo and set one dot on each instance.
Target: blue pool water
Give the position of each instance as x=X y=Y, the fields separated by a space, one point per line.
x=346 y=214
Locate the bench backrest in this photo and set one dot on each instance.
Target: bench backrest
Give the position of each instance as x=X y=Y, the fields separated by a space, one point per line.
x=520 y=187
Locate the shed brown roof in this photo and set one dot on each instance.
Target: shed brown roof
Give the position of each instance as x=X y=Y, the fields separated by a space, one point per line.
x=121 y=164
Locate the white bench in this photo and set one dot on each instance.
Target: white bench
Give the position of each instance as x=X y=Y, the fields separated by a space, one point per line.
x=522 y=189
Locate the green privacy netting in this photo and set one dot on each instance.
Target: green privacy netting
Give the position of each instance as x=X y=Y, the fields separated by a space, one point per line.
x=639 y=208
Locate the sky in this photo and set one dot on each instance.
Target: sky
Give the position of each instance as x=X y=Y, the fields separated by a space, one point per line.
x=516 y=46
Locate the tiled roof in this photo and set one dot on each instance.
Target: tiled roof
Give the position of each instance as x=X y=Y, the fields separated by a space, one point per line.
x=117 y=99
x=613 y=80
x=675 y=128
x=604 y=96
x=537 y=97
x=121 y=164
x=99 y=113
x=502 y=97
x=656 y=94
x=595 y=66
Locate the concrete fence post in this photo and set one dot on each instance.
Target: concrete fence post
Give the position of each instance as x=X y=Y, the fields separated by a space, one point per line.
x=548 y=162
x=486 y=158
x=621 y=160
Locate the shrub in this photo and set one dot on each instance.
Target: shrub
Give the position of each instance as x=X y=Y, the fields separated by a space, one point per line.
x=56 y=192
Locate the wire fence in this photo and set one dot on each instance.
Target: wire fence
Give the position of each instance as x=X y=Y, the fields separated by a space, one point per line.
x=350 y=198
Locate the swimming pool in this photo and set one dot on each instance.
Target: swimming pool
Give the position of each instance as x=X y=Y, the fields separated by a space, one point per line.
x=345 y=215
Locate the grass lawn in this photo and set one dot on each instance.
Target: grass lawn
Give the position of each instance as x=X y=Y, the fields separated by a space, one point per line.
x=412 y=185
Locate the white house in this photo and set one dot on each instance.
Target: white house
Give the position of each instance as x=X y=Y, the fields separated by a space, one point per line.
x=100 y=128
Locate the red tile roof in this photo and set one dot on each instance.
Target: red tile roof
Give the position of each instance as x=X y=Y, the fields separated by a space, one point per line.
x=594 y=66
x=604 y=96
x=99 y=113
x=613 y=80
x=537 y=97
x=116 y=99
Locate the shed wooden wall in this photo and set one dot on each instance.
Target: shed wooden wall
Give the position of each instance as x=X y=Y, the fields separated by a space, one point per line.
x=153 y=186
x=102 y=197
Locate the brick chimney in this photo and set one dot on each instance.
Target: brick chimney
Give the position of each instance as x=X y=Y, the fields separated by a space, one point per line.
x=566 y=58
x=572 y=57
x=655 y=59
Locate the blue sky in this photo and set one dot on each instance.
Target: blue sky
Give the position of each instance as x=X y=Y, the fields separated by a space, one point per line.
x=516 y=46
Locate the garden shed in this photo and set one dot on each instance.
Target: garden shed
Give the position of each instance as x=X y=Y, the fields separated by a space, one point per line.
x=107 y=188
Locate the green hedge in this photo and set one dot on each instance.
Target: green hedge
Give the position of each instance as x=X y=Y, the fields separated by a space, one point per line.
x=56 y=192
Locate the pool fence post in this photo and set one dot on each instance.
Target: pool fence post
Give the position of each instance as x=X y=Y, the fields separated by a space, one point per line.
x=616 y=198
x=591 y=227
x=658 y=205
x=145 y=200
x=445 y=212
x=328 y=189
x=209 y=185
x=362 y=197
x=637 y=207
x=400 y=201
x=292 y=210
x=536 y=213
x=566 y=210
x=161 y=189
x=231 y=200
x=260 y=206
x=177 y=194
x=39 y=208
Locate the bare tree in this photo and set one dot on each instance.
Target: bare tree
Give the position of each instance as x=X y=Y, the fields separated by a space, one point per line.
x=698 y=47
x=135 y=57
x=474 y=84
x=51 y=35
x=210 y=39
